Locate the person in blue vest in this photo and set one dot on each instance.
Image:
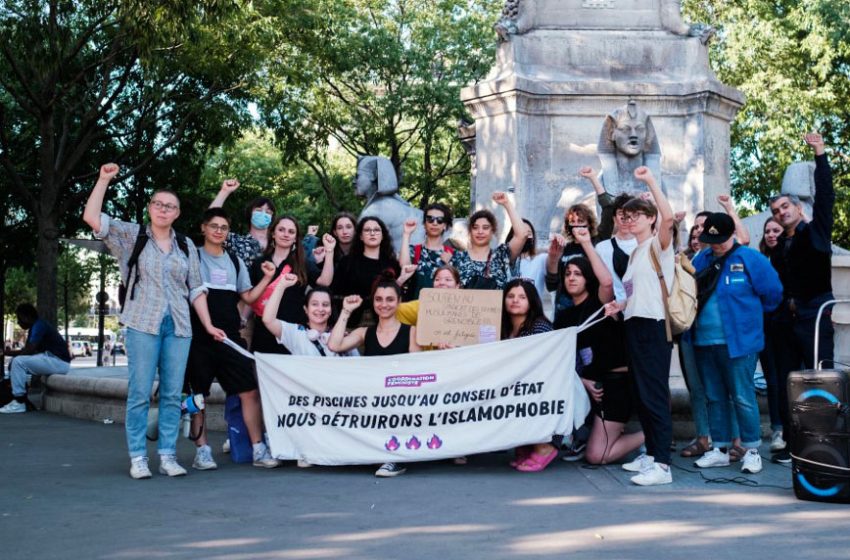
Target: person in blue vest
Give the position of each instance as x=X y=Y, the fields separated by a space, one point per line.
x=736 y=286
x=45 y=353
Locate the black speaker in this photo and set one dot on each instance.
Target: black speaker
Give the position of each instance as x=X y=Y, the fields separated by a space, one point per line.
x=819 y=401
x=820 y=483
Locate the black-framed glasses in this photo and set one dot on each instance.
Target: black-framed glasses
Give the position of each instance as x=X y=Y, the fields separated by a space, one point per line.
x=168 y=207
x=435 y=219
x=223 y=228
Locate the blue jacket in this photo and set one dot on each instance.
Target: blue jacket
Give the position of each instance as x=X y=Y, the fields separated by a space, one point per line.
x=748 y=287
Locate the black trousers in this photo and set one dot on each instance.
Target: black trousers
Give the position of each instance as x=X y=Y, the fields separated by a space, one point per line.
x=649 y=362
x=793 y=341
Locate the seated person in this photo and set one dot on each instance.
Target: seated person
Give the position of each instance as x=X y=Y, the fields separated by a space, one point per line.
x=44 y=353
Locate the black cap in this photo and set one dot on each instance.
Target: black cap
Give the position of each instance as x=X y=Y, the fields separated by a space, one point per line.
x=717 y=228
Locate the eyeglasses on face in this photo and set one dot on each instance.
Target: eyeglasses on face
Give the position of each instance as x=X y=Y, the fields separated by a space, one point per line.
x=632 y=217
x=223 y=228
x=372 y=231
x=168 y=207
x=435 y=219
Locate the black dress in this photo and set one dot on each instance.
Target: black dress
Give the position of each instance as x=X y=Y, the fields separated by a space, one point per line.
x=355 y=274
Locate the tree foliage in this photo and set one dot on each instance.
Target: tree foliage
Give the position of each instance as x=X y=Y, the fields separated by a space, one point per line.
x=792 y=60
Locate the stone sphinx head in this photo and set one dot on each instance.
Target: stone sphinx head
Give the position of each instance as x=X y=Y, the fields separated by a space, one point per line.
x=375 y=175
x=629 y=131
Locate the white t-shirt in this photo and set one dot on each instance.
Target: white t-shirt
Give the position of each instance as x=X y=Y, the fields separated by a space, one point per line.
x=643 y=289
x=606 y=252
x=534 y=268
x=297 y=340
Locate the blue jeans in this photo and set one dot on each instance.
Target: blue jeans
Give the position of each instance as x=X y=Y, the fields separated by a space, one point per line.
x=696 y=392
x=728 y=378
x=145 y=354
x=44 y=363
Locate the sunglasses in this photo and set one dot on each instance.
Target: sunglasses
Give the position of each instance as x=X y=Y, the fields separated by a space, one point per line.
x=435 y=219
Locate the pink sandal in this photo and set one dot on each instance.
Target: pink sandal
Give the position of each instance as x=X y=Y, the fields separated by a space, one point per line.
x=521 y=454
x=536 y=463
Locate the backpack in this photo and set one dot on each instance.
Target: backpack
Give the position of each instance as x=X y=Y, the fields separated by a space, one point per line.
x=680 y=305
x=138 y=247
x=417 y=251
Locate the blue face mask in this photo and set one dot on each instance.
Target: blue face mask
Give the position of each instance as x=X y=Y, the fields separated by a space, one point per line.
x=260 y=219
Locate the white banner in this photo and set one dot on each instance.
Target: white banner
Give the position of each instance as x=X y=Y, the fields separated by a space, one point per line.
x=423 y=406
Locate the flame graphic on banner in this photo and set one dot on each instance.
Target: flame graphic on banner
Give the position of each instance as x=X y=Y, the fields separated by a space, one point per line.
x=413 y=443
x=435 y=442
x=392 y=444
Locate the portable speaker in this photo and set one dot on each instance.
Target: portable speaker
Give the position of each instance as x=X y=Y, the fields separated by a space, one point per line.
x=820 y=466
x=819 y=401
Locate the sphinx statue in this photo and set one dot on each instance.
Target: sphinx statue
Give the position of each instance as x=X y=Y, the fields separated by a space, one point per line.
x=376 y=181
x=627 y=141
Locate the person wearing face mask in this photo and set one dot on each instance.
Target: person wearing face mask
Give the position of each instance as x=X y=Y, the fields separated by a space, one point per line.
x=530 y=264
x=481 y=267
x=430 y=255
x=259 y=213
x=285 y=252
x=388 y=337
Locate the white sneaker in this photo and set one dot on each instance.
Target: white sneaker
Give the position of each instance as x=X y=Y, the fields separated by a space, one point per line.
x=751 y=462
x=263 y=458
x=203 y=459
x=168 y=465
x=225 y=447
x=776 y=441
x=302 y=464
x=640 y=464
x=713 y=458
x=13 y=407
x=139 y=468
x=653 y=475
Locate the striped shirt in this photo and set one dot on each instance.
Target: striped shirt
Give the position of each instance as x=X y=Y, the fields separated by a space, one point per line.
x=167 y=281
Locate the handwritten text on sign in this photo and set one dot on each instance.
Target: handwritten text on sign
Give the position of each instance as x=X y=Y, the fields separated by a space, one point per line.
x=458 y=317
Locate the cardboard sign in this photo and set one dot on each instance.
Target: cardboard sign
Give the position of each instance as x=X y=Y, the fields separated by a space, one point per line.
x=458 y=317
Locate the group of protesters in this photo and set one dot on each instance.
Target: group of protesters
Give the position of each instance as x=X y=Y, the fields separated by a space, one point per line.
x=346 y=293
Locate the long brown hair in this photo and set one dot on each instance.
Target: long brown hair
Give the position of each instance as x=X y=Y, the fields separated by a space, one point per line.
x=296 y=254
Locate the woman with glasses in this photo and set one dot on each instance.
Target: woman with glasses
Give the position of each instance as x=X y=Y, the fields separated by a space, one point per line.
x=522 y=315
x=285 y=251
x=371 y=255
x=646 y=335
x=563 y=248
x=480 y=266
x=432 y=254
x=162 y=274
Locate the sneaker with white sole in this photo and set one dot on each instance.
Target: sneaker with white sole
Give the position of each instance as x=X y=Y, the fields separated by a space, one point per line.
x=139 y=468
x=751 y=463
x=574 y=452
x=225 y=447
x=203 y=459
x=263 y=458
x=168 y=465
x=713 y=458
x=389 y=470
x=653 y=475
x=642 y=463
x=302 y=464
x=777 y=443
x=13 y=407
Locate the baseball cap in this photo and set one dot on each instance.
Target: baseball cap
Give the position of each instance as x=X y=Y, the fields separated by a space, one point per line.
x=717 y=228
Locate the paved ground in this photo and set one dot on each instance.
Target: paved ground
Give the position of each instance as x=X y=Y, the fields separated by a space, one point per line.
x=65 y=493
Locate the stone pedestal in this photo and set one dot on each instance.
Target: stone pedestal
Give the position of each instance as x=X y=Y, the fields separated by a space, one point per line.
x=565 y=65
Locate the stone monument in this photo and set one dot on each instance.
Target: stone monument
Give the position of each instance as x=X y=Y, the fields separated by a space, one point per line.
x=568 y=69
x=377 y=183
x=627 y=141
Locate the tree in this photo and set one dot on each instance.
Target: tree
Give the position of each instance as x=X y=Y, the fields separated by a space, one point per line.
x=381 y=77
x=122 y=80
x=74 y=282
x=791 y=59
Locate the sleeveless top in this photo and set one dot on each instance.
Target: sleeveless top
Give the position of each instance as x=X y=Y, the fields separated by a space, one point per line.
x=399 y=345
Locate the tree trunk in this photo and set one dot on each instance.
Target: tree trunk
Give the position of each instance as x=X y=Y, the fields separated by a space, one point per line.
x=47 y=254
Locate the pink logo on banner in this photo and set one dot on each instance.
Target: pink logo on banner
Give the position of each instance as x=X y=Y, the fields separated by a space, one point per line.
x=409 y=380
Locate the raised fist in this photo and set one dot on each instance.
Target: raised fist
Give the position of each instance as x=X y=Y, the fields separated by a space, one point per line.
x=726 y=202
x=586 y=172
x=679 y=216
x=350 y=303
x=288 y=280
x=500 y=198
x=319 y=255
x=643 y=173
x=312 y=230
x=581 y=234
x=409 y=226
x=329 y=243
x=229 y=185
x=268 y=269
x=109 y=171
x=406 y=272
x=815 y=140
